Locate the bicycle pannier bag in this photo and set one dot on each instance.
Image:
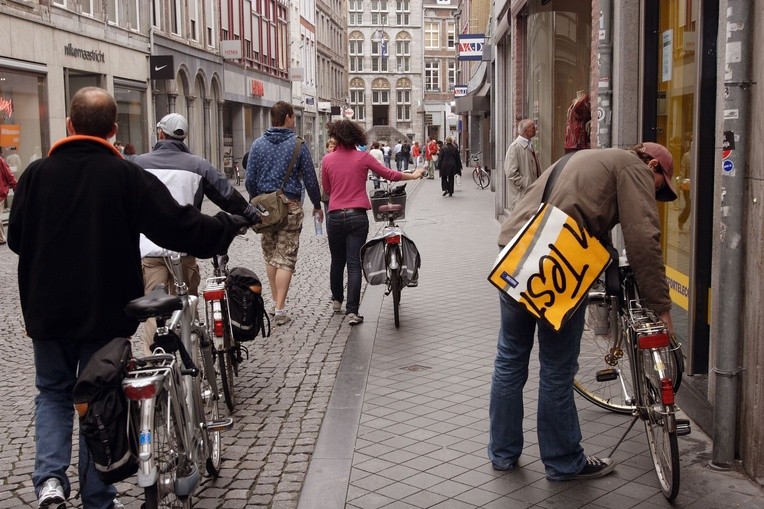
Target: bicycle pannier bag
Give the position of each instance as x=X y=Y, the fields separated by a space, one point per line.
x=273 y=211
x=106 y=419
x=272 y=207
x=245 y=305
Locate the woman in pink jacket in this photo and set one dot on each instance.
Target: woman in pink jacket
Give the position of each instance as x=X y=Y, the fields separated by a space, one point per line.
x=344 y=176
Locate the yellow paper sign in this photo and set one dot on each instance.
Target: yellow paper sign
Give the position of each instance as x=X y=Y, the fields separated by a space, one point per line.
x=550 y=265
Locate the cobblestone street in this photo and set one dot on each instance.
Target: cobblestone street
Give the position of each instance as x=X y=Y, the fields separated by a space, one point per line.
x=282 y=389
x=378 y=416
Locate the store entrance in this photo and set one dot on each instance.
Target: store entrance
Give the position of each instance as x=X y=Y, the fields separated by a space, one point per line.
x=75 y=80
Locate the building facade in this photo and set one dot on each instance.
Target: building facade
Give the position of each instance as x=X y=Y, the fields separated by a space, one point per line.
x=440 y=68
x=656 y=71
x=331 y=62
x=385 y=75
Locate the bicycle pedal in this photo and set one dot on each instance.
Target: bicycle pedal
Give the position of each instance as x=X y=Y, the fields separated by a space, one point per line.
x=607 y=375
x=219 y=425
x=683 y=427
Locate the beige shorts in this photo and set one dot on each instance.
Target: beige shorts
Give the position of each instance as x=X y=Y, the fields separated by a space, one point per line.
x=280 y=248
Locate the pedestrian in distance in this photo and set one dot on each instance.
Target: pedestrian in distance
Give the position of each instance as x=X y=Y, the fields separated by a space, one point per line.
x=129 y=152
x=379 y=156
x=75 y=223
x=343 y=175
x=267 y=166
x=405 y=155
x=431 y=157
x=598 y=189
x=189 y=178
x=416 y=153
x=521 y=165
x=397 y=154
x=7 y=182
x=387 y=153
x=450 y=165
x=331 y=144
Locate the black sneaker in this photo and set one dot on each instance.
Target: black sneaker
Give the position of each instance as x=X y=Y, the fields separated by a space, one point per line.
x=595 y=467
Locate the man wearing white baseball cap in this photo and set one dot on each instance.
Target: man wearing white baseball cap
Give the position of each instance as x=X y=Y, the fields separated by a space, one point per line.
x=189 y=178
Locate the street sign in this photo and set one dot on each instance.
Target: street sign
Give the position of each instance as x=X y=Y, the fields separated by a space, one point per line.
x=349 y=113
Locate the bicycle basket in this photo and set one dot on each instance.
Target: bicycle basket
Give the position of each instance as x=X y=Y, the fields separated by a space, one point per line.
x=378 y=199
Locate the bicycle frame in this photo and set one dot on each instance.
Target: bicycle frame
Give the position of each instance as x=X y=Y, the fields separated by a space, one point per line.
x=162 y=375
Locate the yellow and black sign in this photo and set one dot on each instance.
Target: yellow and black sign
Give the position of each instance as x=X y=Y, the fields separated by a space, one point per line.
x=550 y=265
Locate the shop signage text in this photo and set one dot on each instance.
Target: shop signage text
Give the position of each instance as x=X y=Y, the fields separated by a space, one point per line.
x=258 y=88
x=95 y=55
x=460 y=90
x=471 y=46
x=231 y=49
x=10 y=135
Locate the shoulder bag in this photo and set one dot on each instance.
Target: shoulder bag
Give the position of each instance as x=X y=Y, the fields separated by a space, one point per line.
x=272 y=207
x=551 y=264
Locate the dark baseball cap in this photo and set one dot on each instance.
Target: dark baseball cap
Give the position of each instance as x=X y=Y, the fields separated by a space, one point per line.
x=663 y=156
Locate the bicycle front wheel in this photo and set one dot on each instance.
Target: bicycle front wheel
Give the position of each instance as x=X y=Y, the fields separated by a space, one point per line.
x=604 y=373
x=170 y=457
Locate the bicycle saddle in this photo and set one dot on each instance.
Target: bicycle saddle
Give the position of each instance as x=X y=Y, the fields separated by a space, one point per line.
x=156 y=303
x=391 y=207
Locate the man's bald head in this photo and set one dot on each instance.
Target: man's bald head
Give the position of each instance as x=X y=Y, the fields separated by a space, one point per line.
x=93 y=112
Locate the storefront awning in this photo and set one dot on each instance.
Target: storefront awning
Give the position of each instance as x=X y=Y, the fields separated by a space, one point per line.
x=477 y=101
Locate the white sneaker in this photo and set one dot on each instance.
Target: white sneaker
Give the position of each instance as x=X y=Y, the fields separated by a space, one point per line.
x=336 y=306
x=118 y=504
x=354 y=318
x=51 y=495
x=282 y=319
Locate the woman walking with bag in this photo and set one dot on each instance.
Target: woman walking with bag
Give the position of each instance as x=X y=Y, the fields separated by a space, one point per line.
x=343 y=175
x=450 y=165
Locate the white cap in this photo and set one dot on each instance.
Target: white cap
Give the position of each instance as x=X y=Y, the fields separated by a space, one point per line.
x=174 y=125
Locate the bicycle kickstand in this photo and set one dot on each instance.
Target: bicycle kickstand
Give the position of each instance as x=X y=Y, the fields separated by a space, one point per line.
x=634 y=420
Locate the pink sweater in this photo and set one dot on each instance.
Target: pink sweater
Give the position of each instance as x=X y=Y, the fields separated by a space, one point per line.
x=343 y=177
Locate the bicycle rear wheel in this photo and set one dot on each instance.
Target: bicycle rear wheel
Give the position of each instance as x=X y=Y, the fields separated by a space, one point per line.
x=227 y=359
x=209 y=393
x=660 y=427
x=395 y=289
x=485 y=179
x=476 y=177
x=170 y=457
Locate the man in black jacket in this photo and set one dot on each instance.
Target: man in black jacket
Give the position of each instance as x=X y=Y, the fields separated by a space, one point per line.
x=75 y=223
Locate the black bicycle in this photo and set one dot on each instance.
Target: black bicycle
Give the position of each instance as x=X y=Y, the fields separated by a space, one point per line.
x=229 y=351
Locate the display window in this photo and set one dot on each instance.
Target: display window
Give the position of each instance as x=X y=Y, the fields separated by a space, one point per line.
x=24 y=135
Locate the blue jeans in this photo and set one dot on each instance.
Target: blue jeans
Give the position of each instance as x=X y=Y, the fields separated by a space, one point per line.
x=56 y=365
x=347 y=231
x=559 y=433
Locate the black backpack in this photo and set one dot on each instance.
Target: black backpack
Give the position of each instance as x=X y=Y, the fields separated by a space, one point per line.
x=245 y=305
x=106 y=419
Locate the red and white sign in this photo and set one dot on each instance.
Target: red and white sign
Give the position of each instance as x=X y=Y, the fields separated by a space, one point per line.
x=257 y=88
x=349 y=113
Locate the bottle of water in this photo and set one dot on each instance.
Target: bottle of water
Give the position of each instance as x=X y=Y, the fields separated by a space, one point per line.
x=317 y=222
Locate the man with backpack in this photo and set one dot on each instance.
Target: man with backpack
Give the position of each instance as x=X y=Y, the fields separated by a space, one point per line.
x=75 y=223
